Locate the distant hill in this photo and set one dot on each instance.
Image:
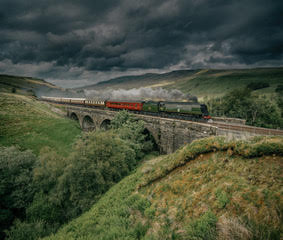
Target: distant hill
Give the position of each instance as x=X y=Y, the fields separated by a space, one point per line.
x=31 y=86
x=205 y=82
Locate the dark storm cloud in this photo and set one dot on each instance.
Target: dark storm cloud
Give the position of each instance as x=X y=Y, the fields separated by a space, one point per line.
x=95 y=40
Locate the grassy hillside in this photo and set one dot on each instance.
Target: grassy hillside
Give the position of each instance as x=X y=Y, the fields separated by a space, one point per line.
x=33 y=125
x=149 y=79
x=31 y=86
x=210 y=189
x=206 y=82
x=213 y=83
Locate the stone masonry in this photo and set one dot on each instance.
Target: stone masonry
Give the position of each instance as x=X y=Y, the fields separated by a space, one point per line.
x=169 y=134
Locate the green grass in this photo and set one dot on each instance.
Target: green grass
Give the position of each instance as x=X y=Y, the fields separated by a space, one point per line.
x=213 y=190
x=33 y=125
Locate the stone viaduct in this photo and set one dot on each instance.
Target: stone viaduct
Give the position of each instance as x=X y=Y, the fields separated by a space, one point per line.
x=169 y=134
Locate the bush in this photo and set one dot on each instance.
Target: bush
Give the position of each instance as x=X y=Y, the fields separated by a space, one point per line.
x=45 y=210
x=203 y=228
x=222 y=198
x=48 y=169
x=27 y=231
x=257 y=85
x=279 y=88
x=16 y=187
x=132 y=131
x=100 y=159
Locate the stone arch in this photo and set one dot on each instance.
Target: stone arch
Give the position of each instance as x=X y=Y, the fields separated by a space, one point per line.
x=88 y=123
x=105 y=124
x=150 y=137
x=74 y=116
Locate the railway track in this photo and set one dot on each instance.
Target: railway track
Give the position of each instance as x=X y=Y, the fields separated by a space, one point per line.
x=250 y=129
x=220 y=125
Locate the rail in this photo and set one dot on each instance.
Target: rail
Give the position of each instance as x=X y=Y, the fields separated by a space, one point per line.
x=250 y=129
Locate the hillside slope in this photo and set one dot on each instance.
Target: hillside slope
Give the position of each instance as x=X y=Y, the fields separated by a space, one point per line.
x=201 y=83
x=31 y=124
x=32 y=86
x=210 y=189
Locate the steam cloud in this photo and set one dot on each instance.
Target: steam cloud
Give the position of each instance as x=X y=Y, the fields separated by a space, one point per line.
x=145 y=93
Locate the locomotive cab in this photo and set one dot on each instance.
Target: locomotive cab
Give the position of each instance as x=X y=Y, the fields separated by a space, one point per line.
x=204 y=111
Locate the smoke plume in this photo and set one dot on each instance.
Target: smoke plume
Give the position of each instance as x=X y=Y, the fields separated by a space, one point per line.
x=146 y=93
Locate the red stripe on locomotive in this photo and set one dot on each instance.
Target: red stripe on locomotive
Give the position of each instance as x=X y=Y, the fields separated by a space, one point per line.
x=137 y=106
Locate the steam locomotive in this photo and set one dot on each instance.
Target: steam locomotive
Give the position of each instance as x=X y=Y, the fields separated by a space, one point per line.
x=180 y=110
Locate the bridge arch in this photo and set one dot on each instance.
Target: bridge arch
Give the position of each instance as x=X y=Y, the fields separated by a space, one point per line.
x=88 y=123
x=150 y=137
x=74 y=116
x=105 y=124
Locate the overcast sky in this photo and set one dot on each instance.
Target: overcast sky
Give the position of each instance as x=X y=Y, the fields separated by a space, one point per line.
x=80 y=42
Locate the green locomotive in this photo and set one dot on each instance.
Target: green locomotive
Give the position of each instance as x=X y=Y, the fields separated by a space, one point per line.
x=189 y=109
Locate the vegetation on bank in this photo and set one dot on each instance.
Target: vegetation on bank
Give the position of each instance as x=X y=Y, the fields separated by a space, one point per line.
x=210 y=189
x=63 y=187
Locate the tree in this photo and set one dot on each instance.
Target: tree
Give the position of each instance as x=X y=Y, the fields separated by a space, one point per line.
x=132 y=131
x=16 y=187
x=236 y=103
x=100 y=160
x=241 y=103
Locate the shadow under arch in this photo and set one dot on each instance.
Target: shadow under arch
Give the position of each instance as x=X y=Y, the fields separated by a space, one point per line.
x=74 y=116
x=88 y=124
x=150 y=138
x=105 y=125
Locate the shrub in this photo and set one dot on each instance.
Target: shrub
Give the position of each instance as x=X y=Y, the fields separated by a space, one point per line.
x=100 y=159
x=45 y=210
x=138 y=203
x=257 y=85
x=132 y=131
x=279 y=88
x=262 y=231
x=203 y=228
x=222 y=198
x=48 y=169
x=16 y=188
x=139 y=230
x=27 y=231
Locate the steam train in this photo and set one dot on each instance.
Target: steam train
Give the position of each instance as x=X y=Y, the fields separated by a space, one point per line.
x=180 y=110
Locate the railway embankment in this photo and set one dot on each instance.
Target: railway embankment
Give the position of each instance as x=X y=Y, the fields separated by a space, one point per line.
x=243 y=132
